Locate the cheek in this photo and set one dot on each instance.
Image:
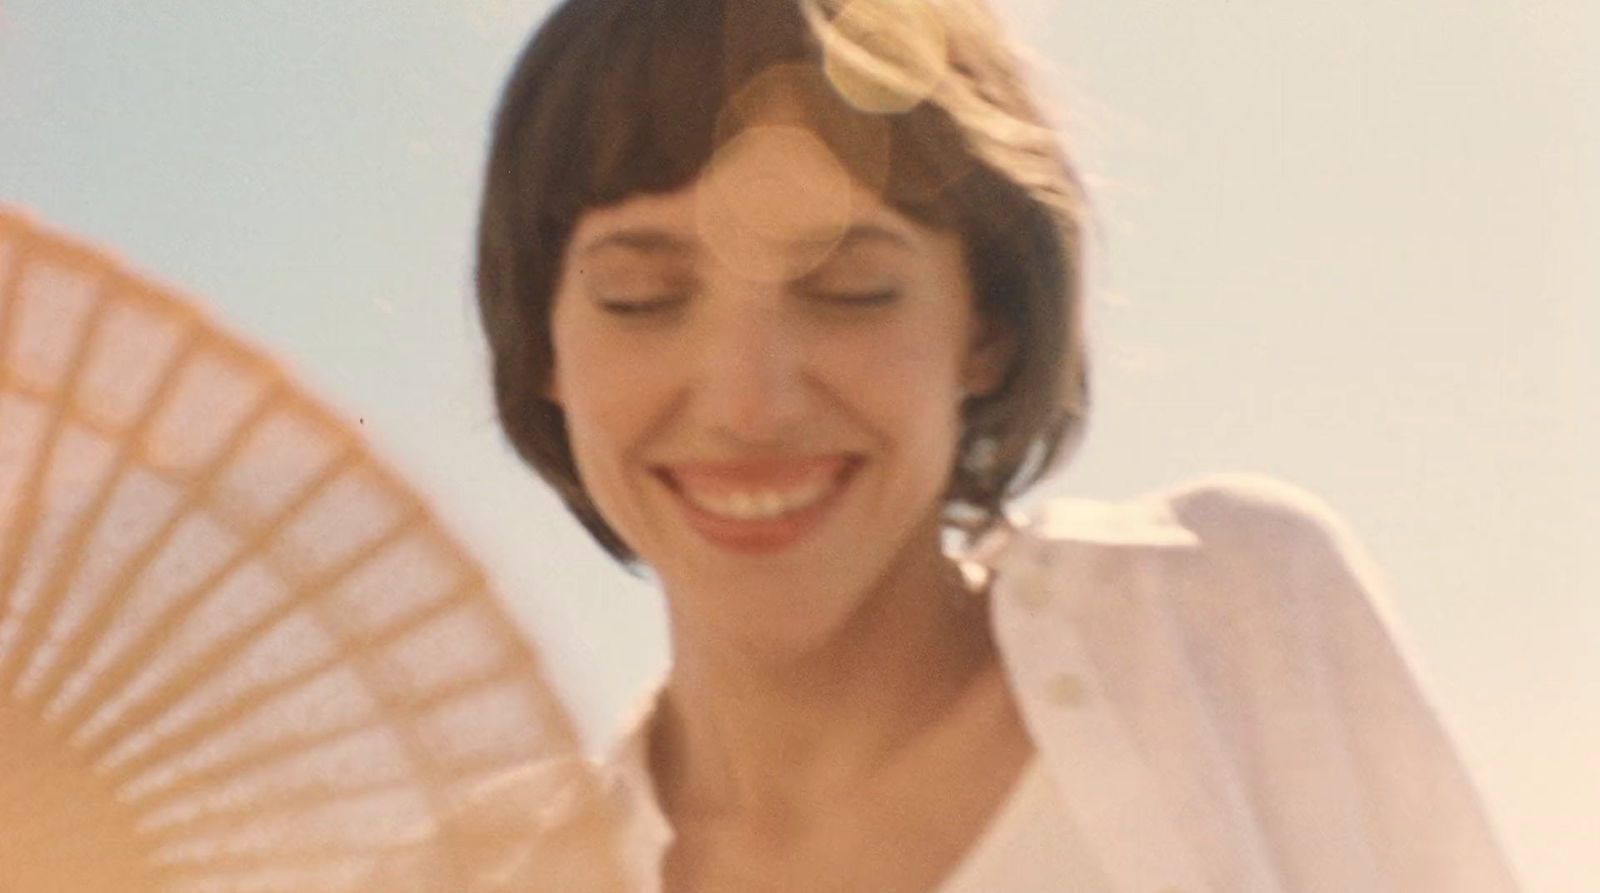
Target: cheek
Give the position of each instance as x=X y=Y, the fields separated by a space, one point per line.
x=609 y=407
x=905 y=381
x=604 y=397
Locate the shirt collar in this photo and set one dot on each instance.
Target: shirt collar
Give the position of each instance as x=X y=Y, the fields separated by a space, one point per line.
x=626 y=773
x=1147 y=522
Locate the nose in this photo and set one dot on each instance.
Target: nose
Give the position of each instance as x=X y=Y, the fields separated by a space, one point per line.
x=752 y=386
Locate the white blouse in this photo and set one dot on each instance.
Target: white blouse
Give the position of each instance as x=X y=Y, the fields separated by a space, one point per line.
x=1032 y=846
x=1219 y=702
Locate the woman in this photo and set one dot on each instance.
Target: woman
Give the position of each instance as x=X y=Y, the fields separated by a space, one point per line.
x=778 y=292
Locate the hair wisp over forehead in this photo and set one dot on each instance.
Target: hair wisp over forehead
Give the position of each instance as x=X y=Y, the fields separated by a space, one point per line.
x=920 y=100
x=647 y=93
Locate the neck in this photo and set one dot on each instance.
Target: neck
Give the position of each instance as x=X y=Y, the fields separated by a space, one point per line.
x=742 y=734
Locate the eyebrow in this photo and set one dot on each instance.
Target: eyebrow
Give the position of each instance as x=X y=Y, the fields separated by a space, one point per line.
x=654 y=240
x=643 y=240
x=857 y=234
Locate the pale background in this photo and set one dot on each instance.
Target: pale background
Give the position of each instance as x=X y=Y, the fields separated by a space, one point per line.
x=1350 y=244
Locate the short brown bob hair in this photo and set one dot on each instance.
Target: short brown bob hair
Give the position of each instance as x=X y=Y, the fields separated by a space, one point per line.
x=616 y=98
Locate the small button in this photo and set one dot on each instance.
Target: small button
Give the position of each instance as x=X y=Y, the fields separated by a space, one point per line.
x=1066 y=690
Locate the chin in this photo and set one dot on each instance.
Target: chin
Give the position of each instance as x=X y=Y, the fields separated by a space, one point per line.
x=782 y=626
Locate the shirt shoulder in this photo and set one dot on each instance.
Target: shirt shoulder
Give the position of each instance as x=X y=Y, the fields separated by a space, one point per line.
x=1232 y=543
x=1225 y=510
x=1290 y=540
x=1231 y=504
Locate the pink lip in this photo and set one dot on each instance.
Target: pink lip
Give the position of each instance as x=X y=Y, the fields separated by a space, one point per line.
x=764 y=536
x=752 y=473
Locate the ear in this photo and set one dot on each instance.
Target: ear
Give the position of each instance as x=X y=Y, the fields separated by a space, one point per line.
x=552 y=389
x=990 y=349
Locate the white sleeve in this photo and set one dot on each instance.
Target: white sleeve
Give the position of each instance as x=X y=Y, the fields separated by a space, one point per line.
x=1428 y=827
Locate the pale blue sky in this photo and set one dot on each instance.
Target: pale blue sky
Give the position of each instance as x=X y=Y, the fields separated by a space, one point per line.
x=1350 y=244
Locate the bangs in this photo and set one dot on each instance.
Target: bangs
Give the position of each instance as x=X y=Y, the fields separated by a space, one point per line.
x=922 y=103
x=644 y=99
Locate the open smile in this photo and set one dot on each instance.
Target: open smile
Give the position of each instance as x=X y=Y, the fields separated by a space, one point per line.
x=755 y=510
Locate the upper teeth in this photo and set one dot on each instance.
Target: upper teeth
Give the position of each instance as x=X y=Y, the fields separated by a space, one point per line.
x=760 y=503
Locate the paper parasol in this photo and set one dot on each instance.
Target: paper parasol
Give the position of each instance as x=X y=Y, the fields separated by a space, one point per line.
x=236 y=653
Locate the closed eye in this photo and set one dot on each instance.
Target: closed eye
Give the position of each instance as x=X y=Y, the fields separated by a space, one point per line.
x=859 y=299
x=662 y=305
x=641 y=308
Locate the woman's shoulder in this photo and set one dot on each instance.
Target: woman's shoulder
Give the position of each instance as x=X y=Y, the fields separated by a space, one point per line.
x=1234 y=618
x=1251 y=504
x=1219 y=561
x=1217 y=512
x=1222 y=546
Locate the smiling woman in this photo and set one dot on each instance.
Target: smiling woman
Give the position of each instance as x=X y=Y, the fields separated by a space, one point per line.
x=752 y=393
x=778 y=292
x=649 y=99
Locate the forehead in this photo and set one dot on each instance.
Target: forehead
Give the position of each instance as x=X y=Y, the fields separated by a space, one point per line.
x=772 y=198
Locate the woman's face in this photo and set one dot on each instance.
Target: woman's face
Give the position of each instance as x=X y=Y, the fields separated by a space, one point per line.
x=761 y=376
